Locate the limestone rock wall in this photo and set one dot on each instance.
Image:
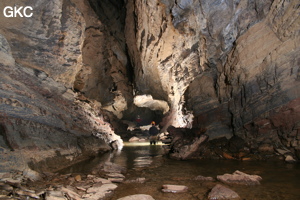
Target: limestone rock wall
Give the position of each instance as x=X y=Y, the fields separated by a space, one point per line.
x=226 y=62
x=49 y=41
x=55 y=83
x=175 y=45
x=104 y=75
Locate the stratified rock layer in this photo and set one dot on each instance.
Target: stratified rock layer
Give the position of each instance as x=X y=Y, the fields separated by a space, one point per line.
x=227 y=63
x=45 y=111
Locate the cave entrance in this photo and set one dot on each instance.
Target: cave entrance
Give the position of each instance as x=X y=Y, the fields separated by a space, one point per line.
x=139 y=122
x=142 y=117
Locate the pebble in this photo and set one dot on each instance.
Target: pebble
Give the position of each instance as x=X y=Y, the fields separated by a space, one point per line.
x=77 y=178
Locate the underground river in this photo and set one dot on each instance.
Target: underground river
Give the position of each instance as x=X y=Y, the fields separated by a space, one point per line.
x=279 y=180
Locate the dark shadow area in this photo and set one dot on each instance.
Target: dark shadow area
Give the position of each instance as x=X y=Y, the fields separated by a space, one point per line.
x=3 y=138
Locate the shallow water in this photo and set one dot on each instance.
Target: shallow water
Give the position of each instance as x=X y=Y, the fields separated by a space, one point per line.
x=280 y=180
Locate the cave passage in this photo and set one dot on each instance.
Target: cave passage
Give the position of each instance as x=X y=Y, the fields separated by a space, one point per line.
x=82 y=79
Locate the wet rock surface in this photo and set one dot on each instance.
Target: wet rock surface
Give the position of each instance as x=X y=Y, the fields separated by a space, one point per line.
x=203 y=178
x=240 y=178
x=175 y=175
x=222 y=192
x=174 y=188
x=137 y=197
x=56 y=186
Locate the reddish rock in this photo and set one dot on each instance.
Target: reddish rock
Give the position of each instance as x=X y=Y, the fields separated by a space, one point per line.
x=227 y=156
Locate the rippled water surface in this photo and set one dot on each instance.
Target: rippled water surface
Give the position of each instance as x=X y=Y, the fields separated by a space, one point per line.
x=280 y=180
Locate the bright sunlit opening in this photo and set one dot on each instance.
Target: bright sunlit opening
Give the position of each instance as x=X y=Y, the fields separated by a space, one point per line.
x=159 y=143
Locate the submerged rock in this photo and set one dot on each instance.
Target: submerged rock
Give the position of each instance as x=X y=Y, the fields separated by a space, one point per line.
x=115 y=175
x=134 y=139
x=137 y=197
x=203 y=178
x=138 y=180
x=174 y=188
x=240 y=178
x=99 y=192
x=222 y=192
x=113 y=168
x=289 y=159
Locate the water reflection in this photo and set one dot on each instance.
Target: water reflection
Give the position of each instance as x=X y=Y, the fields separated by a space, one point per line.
x=143 y=161
x=280 y=180
x=138 y=155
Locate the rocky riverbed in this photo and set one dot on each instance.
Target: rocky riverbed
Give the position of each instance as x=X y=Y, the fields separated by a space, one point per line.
x=142 y=172
x=53 y=186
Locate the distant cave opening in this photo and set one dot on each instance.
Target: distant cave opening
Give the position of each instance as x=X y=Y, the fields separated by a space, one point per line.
x=144 y=116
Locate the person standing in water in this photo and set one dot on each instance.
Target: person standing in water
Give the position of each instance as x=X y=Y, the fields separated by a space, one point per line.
x=138 y=121
x=153 y=131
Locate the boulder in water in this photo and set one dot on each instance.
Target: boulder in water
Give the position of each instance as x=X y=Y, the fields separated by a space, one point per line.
x=240 y=178
x=174 y=188
x=137 y=197
x=222 y=192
